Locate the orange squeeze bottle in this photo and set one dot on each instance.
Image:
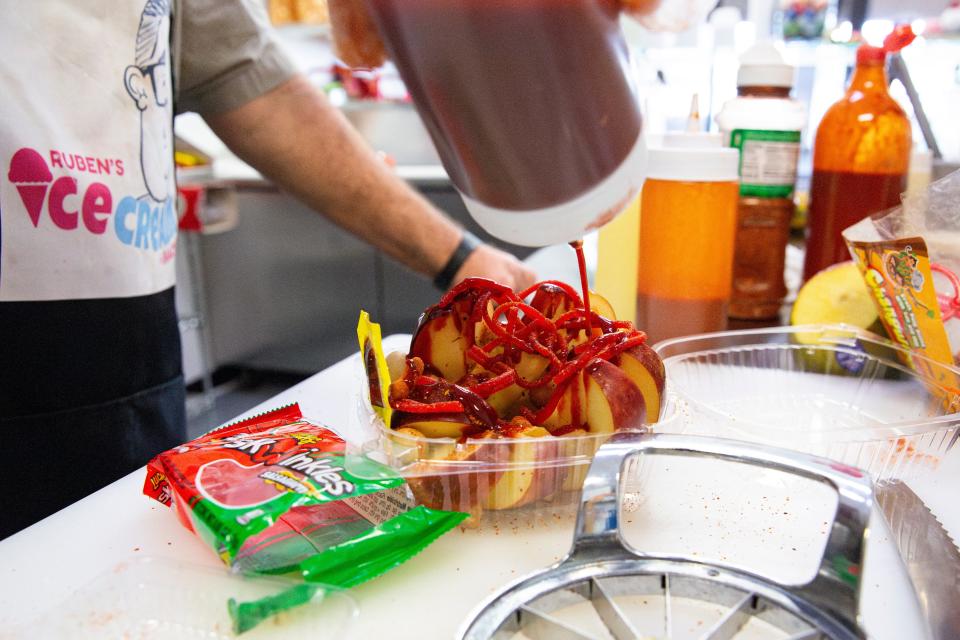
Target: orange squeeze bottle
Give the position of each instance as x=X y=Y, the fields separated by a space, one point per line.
x=861 y=156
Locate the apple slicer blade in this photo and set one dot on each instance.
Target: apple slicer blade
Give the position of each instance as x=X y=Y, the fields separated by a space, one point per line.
x=605 y=589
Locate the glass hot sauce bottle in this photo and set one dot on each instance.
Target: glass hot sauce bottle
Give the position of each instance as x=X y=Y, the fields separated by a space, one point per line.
x=861 y=156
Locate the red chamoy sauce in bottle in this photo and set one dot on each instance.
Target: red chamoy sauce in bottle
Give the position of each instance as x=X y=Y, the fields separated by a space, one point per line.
x=861 y=156
x=529 y=105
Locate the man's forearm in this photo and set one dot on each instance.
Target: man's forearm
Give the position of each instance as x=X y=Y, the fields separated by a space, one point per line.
x=295 y=138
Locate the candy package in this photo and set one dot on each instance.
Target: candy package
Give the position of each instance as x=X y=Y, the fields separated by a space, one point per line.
x=273 y=495
x=909 y=257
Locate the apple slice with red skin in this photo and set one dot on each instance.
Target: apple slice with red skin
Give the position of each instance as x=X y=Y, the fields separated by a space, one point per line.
x=439 y=481
x=434 y=425
x=440 y=343
x=601 y=306
x=642 y=364
x=552 y=301
x=525 y=482
x=576 y=443
x=506 y=401
x=614 y=402
x=571 y=410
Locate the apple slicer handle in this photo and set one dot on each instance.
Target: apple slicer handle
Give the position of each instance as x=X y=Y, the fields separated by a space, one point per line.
x=836 y=584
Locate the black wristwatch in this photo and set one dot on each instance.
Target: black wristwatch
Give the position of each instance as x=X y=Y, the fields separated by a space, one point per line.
x=468 y=243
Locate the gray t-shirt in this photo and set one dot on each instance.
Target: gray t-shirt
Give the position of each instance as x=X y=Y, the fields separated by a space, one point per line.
x=224 y=54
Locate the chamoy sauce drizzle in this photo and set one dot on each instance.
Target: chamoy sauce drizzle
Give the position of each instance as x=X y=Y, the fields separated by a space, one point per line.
x=582 y=266
x=498 y=332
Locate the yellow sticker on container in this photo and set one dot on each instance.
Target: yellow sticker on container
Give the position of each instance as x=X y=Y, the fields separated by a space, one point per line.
x=375 y=364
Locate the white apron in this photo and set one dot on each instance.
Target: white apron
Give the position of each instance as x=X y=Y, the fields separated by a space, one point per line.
x=87 y=196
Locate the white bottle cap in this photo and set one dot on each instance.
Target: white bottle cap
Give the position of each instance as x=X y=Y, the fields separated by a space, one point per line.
x=703 y=164
x=762 y=65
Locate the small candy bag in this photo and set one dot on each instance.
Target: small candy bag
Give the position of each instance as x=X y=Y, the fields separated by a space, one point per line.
x=909 y=257
x=272 y=495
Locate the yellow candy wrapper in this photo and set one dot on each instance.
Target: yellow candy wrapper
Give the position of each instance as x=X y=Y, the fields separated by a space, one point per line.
x=375 y=363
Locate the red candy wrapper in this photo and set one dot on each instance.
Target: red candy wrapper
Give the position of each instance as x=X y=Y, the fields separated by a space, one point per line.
x=273 y=495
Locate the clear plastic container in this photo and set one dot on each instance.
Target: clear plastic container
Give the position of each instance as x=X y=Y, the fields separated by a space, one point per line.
x=162 y=598
x=688 y=224
x=830 y=390
x=493 y=480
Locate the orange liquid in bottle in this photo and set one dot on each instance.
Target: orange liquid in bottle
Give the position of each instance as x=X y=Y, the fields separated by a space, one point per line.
x=839 y=199
x=687 y=234
x=860 y=160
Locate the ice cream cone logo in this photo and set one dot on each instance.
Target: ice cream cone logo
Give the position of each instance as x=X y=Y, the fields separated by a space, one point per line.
x=32 y=177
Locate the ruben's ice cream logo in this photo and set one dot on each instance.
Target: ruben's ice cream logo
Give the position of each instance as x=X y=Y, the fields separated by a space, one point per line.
x=65 y=191
x=89 y=206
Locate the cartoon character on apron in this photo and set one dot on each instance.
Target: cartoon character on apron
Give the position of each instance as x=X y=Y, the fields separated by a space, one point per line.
x=148 y=83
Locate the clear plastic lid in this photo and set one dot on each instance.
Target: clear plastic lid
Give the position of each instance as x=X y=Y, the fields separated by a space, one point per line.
x=159 y=598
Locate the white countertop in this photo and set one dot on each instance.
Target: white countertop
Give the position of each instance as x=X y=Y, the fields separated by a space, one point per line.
x=430 y=595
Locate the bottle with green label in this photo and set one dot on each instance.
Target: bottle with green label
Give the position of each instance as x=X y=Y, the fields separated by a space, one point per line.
x=764 y=124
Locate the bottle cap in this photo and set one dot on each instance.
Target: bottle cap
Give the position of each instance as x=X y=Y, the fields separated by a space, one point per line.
x=901 y=36
x=868 y=54
x=694 y=164
x=762 y=66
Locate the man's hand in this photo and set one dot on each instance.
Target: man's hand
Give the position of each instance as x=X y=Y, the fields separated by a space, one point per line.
x=497 y=265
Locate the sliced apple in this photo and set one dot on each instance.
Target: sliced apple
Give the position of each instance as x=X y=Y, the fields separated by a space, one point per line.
x=449 y=487
x=481 y=332
x=433 y=425
x=573 y=444
x=551 y=300
x=645 y=368
x=571 y=410
x=601 y=306
x=529 y=367
x=439 y=342
x=614 y=402
x=518 y=485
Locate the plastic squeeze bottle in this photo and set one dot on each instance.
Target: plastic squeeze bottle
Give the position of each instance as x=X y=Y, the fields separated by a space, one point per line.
x=541 y=138
x=687 y=226
x=763 y=123
x=861 y=156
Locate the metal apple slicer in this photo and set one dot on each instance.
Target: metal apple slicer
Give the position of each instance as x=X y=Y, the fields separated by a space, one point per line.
x=602 y=573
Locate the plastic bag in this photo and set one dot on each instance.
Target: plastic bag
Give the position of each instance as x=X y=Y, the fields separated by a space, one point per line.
x=909 y=256
x=275 y=494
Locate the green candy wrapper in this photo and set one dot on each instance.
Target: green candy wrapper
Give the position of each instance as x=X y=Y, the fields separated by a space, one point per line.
x=272 y=495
